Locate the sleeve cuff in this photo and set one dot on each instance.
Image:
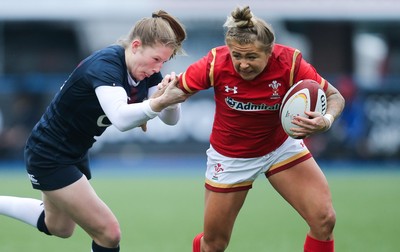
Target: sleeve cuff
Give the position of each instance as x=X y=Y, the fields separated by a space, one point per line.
x=147 y=109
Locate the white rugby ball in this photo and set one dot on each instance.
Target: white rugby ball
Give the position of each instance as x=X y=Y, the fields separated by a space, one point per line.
x=305 y=95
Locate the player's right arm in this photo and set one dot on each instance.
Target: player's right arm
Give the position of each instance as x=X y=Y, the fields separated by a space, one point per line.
x=124 y=116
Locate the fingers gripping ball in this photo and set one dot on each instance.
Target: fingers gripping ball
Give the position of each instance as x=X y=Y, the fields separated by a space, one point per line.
x=305 y=95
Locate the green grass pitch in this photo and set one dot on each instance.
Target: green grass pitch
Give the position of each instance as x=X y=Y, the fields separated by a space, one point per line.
x=163 y=213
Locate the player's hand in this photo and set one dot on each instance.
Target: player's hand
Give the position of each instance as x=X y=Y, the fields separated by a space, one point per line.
x=171 y=94
x=308 y=126
x=167 y=79
x=163 y=85
x=144 y=127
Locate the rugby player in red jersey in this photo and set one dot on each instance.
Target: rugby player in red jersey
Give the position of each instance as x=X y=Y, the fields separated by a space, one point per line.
x=250 y=75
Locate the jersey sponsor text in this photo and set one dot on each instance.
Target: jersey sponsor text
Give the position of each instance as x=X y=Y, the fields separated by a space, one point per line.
x=241 y=106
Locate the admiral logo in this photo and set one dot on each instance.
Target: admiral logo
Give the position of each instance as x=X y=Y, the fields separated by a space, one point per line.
x=241 y=106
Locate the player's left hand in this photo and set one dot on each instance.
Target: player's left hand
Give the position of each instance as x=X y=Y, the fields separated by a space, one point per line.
x=308 y=126
x=163 y=85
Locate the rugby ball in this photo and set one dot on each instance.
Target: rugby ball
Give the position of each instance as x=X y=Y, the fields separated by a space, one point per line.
x=305 y=95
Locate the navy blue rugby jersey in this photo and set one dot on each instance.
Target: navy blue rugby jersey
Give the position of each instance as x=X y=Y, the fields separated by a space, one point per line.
x=74 y=117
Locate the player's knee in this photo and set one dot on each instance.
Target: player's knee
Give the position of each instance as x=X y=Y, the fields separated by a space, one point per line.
x=329 y=220
x=115 y=235
x=324 y=221
x=111 y=235
x=216 y=245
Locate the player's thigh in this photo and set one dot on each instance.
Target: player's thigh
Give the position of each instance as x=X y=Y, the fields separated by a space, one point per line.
x=305 y=187
x=80 y=202
x=221 y=210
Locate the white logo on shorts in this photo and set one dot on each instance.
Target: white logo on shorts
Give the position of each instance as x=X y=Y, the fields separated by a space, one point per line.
x=33 y=180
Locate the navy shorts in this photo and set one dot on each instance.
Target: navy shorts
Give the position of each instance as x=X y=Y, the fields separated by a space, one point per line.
x=47 y=174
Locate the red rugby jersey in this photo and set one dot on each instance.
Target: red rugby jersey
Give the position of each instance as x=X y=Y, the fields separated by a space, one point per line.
x=246 y=122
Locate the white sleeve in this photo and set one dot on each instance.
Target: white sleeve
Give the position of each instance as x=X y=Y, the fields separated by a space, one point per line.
x=124 y=116
x=171 y=114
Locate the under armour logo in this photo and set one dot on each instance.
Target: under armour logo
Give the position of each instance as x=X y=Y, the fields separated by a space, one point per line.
x=228 y=89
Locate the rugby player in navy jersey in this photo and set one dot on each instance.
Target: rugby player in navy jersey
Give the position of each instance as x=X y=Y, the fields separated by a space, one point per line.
x=114 y=86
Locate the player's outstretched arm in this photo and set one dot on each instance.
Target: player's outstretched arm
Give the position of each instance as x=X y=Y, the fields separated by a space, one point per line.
x=170 y=96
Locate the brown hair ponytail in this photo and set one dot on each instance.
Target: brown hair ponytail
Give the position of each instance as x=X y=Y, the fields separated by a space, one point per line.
x=160 y=28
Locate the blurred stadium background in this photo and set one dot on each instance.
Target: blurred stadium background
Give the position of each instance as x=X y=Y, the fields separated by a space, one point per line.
x=354 y=44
